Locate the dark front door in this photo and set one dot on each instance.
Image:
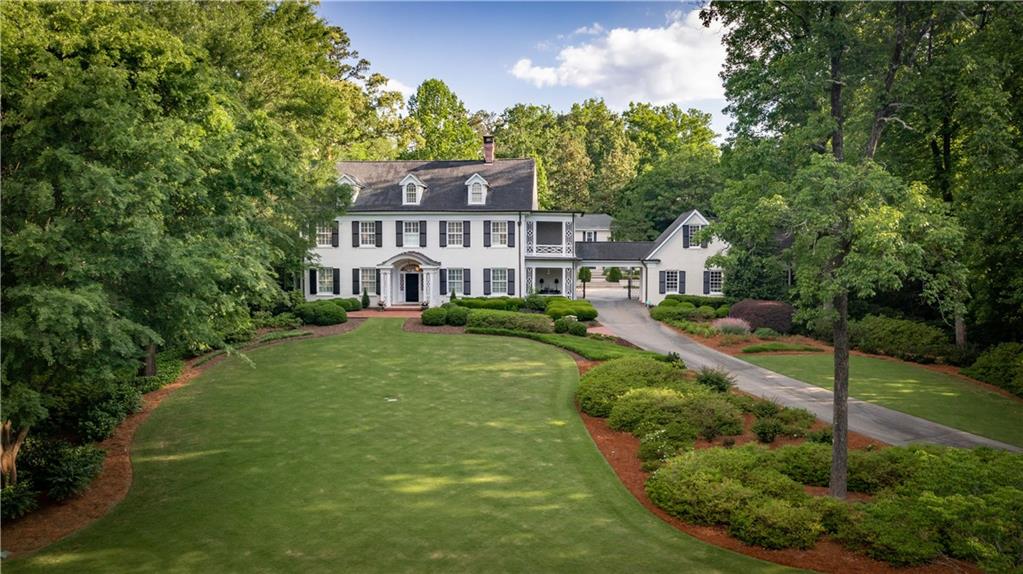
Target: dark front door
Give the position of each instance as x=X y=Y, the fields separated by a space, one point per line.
x=412 y=288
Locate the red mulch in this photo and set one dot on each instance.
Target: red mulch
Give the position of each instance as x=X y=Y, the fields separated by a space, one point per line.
x=55 y=521
x=621 y=450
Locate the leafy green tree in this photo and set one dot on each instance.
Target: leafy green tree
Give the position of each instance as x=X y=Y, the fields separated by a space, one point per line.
x=585 y=276
x=661 y=131
x=614 y=275
x=443 y=124
x=569 y=173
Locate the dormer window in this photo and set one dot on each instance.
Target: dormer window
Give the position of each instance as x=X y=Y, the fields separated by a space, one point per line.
x=477 y=190
x=411 y=193
x=353 y=183
x=411 y=190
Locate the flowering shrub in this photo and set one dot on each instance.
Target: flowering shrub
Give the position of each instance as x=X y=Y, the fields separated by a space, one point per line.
x=774 y=314
x=732 y=326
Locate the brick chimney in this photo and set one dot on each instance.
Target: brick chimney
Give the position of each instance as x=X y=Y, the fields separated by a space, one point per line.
x=488 y=149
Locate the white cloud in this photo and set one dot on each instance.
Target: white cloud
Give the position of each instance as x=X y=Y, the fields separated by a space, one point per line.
x=394 y=85
x=678 y=62
x=591 y=30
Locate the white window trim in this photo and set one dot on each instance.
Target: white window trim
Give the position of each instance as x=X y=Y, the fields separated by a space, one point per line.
x=589 y=235
x=410 y=238
x=420 y=188
x=693 y=230
x=373 y=234
x=493 y=281
x=460 y=235
x=493 y=234
x=368 y=274
x=721 y=287
x=456 y=287
x=327 y=232
x=473 y=179
x=678 y=282
x=325 y=273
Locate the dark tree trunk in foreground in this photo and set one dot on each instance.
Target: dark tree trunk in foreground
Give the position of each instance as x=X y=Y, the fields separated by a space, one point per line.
x=149 y=370
x=840 y=423
x=960 y=327
x=10 y=444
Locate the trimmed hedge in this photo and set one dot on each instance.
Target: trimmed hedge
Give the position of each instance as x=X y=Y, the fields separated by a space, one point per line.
x=591 y=348
x=348 y=303
x=670 y=312
x=775 y=315
x=1002 y=366
x=561 y=325
x=778 y=347
x=494 y=319
x=502 y=303
x=321 y=313
x=604 y=384
x=457 y=316
x=580 y=308
x=699 y=300
x=901 y=338
x=651 y=405
x=434 y=316
x=775 y=523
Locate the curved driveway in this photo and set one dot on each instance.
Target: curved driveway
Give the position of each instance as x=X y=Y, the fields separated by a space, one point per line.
x=631 y=321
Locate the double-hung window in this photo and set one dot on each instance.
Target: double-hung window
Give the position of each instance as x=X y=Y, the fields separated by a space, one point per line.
x=454 y=234
x=671 y=281
x=325 y=280
x=499 y=280
x=411 y=194
x=367 y=234
x=323 y=235
x=476 y=193
x=368 y=278
x=715 y=281
x=455 y=280
x=410 y=233
x=589 y=235
x=499 y=233
x=694 y=231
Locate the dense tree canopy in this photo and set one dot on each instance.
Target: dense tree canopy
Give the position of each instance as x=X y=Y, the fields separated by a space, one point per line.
x=442 y=122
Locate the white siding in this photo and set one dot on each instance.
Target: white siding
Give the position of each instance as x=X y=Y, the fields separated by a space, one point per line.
x=672 y=256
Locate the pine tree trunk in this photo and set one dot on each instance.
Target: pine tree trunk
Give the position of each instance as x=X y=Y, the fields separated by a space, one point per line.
x=840 y=423
x=150 y=366
x=10 y=444
x=960 y=328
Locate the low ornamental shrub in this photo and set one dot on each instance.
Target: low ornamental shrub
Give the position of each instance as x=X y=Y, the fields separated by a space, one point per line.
x=496 y=303
x=168 y=368
x=535 y=302
x=775 y=315
x=578 y=329
x=871 y=471
x=766 y=333
x=731 y=326
x=779 y=347
x=806 y=463
x=59 y=469
x=767 y=429
x=722 y=311
x=321 y=313
x=17 y=500
x=715 y=379
x=435 y=316
x=893 y=530
x=699 y=300
x=457 y=316
x=348 y=303
x=364 y=300
x=657 y=444
x=820 y=436
x=495 y=319
x=664 y=312
x=901 y=338
x=285 y=320
x=774 y=523
x=581 y=308
x=698 y=329
x=695 y=494
x=1002 y=366
x=764 y=408
x=795 y=422
x=100 y=419
x=712 y=416
x=703 y=313
x=646 y=404
x=561 y=325
x=602 y=385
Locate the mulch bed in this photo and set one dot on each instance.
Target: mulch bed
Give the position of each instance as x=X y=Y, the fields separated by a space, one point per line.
x=621 y=450
x=52 y=522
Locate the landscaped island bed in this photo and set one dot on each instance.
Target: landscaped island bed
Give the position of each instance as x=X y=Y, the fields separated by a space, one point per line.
x=379 y=450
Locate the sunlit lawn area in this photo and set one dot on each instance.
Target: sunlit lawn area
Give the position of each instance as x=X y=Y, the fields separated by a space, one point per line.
x=379 y=451
x=911 y=389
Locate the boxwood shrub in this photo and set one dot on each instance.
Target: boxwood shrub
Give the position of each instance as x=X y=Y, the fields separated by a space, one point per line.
x=348 y=303
x=712 y=416
x=457 y=316
x=501 y=303
x=435 y=316
x=655 y=406
x=806 y=463
x=60 y=469
x=698 y=300
x=775 y=315
x=578 y=329
x=1002 y=366
x=776 y=523
x=561 y=325
x=495 y=319
x=602 y=385
x=321 y=313
x=664 y=312
x=581 y=308
x=901 y=338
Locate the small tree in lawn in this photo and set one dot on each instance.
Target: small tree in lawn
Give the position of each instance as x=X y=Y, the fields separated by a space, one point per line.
x=585 y=277
x=614 y=275
x=365 y=299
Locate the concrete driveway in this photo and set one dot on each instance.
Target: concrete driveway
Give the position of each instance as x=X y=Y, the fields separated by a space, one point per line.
x=631 y=321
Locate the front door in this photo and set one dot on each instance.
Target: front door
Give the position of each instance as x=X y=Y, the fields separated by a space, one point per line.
x=412 y=288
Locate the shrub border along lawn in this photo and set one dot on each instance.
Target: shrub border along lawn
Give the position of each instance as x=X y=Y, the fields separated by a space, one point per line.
x=780 y=347
x=586 y=347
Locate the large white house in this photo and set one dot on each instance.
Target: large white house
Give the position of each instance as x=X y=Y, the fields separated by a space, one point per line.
x=419 y=231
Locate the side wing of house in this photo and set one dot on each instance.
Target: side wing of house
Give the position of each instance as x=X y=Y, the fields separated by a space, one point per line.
x=678 y=262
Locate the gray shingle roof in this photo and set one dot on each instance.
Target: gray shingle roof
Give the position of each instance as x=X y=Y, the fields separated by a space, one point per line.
x=613 y=250
x=510 y=181
x=591 y=221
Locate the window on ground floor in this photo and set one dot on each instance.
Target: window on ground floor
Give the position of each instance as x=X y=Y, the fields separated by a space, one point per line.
x=325 y=280
x=499 y=280
x=715 y=281
x=368 y=277
x=455 y=281
x=671 y=281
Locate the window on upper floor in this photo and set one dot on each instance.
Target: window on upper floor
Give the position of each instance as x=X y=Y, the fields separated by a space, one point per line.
x=324 y=234
x=477 y=189
x=589 y=235
x=716 y=281
x=692 y=237
x=367 y=234
x=671 y=281
x=476 y=195
x=454 y=234
x=499 y=233
x=410 y=233
x=411 y=194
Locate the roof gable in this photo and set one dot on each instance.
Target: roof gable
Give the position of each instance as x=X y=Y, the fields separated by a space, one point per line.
x=689 y=217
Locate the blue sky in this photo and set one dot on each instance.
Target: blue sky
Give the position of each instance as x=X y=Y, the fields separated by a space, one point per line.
x=495 y=54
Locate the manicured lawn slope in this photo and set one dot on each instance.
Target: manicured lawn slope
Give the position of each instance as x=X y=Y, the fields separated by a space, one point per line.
x=927 y=394
x=303 y=464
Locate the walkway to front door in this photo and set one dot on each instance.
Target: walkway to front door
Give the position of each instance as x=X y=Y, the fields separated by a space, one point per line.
x=411 y=287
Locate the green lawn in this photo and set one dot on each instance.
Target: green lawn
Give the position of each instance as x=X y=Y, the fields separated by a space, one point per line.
x=379 y=451
x=911 y=389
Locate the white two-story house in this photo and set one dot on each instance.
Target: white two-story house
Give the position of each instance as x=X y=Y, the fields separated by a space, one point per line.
x=418 y=232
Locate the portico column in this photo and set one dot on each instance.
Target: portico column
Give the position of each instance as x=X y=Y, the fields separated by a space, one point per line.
x=385 y=287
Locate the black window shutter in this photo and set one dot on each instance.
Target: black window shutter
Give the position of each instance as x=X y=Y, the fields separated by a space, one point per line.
x=486 y=233
x=443 y=233
x=355 y=233
x=466 y=282
x=312 y=282
x=511 y=281
x=511 y=233
x=443 y=281
x=422 y=233
x=337 y=281
x=486 y=281
x=335 y=234
x=685 y=236
x=466 y=233
x=706 y=282
x=662 y=282
x=356 y=288
x=681 y=281
x=380 y=233
x=398 y=231
x=378 y=282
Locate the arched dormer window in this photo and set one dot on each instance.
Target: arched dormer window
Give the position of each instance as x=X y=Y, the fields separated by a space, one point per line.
x=411 y=194
x=476 y=195
x=477 y=190
x=412 y=189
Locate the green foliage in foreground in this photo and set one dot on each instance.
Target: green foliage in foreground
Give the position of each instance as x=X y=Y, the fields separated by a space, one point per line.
x=465 y=443
x=912 y=389
x=604 y=384
x=1002 y=366
x=587 y=347
x=776 y=347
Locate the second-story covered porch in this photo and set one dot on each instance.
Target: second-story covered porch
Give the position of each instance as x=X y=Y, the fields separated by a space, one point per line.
x=550 y=236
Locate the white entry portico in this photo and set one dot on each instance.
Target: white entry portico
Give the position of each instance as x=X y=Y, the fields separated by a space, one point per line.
x=409 y=278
